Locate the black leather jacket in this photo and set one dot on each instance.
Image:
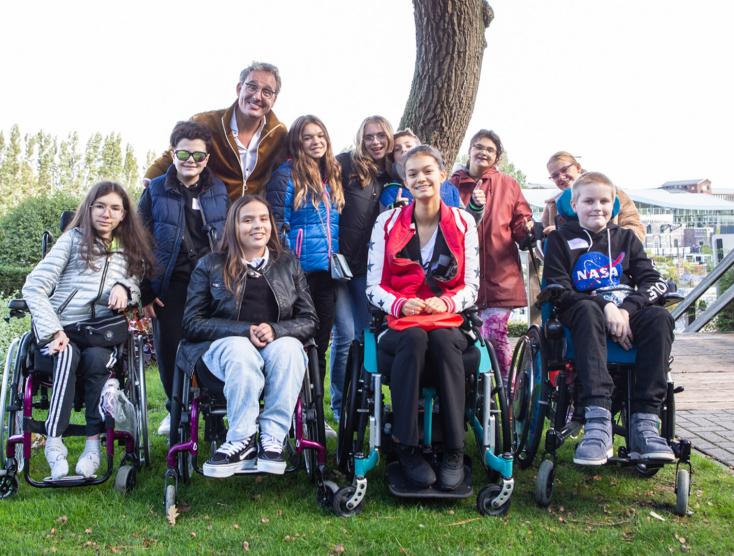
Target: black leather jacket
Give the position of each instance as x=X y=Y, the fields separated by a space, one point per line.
x=212 y=311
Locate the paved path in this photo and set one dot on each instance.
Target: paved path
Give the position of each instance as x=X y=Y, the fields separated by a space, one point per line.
x=704 y=365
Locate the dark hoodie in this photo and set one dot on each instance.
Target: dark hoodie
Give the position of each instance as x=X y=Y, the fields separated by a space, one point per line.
x=582 y=262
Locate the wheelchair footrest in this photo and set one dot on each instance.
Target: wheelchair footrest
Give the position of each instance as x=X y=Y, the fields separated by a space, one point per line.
x=399 y=486
x=70 y=480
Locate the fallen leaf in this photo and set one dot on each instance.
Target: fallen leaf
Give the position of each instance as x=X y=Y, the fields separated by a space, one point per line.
x=172 y=515
x=657 y=516
x=88 y=531
x=62 y=519
x=246 y=546
x=115 y=549
x=193 y=534
x=338 y=549
x=236 y=525
x=681 y=540
x=264 y=520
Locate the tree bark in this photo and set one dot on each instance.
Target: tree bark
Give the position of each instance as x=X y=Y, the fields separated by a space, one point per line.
x=450 y=45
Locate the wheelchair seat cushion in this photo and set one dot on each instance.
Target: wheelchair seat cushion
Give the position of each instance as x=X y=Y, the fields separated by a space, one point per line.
x=615 y=354
x=208 y=381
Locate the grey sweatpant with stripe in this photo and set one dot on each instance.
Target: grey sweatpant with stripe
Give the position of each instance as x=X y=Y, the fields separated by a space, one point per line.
x=93 y=365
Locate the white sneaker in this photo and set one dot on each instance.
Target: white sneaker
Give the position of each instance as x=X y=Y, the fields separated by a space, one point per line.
x=56 y=453
x=330 y=433
x=164 y=429
x=88 y=463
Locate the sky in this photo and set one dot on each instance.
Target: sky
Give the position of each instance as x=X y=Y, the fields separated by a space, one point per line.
x=639 y=90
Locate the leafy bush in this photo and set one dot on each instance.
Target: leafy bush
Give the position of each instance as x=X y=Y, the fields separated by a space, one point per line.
x=516 y=329
x=21 y=228
x=12 y=278
x=12 y=329
x=725 y=319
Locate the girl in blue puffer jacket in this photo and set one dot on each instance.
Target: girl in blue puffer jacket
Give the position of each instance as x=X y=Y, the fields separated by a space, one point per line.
x=306 y=195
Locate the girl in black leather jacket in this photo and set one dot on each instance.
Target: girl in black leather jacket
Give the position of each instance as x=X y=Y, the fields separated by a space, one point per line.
x=247 y=314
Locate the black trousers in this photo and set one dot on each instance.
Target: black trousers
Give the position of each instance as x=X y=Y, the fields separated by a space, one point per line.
x=414 y=358
x=652 y=332
x=168 y=331
x=323 y=293
x=92 y=365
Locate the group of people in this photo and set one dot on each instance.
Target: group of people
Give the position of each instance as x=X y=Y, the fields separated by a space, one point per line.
x=232 y=253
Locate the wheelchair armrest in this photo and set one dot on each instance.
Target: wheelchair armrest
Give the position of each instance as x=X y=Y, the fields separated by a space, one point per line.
x=378 y=319
x=672 y=298
x=550 y=293
x=471 y=318
x=18 y=305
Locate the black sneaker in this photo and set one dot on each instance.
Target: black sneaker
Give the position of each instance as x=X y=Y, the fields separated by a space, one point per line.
x=451 y=471
x=270 y=457
x=232 y=457
x=414 y=466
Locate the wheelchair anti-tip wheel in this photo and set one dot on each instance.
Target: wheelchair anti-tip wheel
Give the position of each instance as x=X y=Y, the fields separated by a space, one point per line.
x=485 y=498
x=544 y=483
x=682 y=491
x=169 y=498
x=8 y=485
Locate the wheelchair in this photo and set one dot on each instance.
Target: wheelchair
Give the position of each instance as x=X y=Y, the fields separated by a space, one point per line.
x=542 y=386
x=203 y=394
x=365 y=425
x=27 y=378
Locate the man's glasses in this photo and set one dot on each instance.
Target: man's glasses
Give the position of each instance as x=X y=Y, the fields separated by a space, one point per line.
x=183 y=155
x=561 y=171
x=253 y=88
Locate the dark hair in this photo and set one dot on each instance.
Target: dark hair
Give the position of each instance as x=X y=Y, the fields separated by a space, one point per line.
x=262 y=66
x=230 y=247
x=492 y=136
x=191 y=130
x=422 y=150
x=308 y=174
x=131 y=234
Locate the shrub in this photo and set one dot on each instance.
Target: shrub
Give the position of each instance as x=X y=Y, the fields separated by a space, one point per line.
x=21 y=228
x=12 y=278
x=725 y=319
x=516 y=329
x=12 y=329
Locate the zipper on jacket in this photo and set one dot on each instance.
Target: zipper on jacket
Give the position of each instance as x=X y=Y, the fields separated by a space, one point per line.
x=274 y=295
x=101 y=284
x=66 y=302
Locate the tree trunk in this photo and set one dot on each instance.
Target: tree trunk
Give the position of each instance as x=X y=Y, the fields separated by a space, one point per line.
x=450 y=45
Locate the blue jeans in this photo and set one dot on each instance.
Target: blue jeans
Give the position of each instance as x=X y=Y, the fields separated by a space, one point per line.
x=352 y=317
x=246 y=371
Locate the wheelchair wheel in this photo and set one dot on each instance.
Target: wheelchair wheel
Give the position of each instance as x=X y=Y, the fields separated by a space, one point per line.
x=485 y=498
x=313 y=428
x=180 y=431
x=544 y=483
x=136 y=392
x=527 y=392
x=352 y=422
x=8 y=486
x=169 y=498
x=126 y=479
x=11 y=400
x=682 y=491
x=339 y=503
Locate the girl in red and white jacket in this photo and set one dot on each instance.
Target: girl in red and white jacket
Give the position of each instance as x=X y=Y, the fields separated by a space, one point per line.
x=424 y=260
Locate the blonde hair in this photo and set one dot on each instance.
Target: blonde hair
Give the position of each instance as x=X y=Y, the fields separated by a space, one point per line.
x=563 y=155
x=309 y=175
x=365 y=167
x=587 y=178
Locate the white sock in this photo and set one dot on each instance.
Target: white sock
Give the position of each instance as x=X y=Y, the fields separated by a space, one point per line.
x=91 y=445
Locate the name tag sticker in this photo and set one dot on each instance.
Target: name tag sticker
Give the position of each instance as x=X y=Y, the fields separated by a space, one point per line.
x=577 y=243
x=195 y=204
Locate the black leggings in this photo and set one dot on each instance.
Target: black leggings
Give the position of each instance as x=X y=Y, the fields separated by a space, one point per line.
x=323 y=293
x=652 y=332
x=405 y=353
x=91 y=364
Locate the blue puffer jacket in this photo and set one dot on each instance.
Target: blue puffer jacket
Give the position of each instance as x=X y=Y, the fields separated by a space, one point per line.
x=304 y=228
x=161 y=208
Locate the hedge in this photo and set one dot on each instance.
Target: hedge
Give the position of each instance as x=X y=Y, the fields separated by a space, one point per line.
x=12 y=279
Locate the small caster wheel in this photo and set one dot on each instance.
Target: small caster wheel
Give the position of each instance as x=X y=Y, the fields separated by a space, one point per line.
x=647 y=471
x=339 y=504
x=125 y=479
x=485 y=498
x=682 y=488
x=8 y=486
x=544 y=483
x=169 y=498
x=325 y=494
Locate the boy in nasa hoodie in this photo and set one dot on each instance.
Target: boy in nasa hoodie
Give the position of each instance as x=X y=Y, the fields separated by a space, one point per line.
x=599 y=264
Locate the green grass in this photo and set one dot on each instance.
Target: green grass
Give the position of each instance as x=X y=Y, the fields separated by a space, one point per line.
x=602 y=511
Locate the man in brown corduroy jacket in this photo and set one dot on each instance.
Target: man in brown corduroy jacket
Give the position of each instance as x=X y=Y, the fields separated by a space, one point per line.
x=248 y=139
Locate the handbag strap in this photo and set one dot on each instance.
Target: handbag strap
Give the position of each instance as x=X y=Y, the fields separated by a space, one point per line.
x=327 y=228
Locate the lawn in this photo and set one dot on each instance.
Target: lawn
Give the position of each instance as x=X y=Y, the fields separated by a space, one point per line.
x=608 y=511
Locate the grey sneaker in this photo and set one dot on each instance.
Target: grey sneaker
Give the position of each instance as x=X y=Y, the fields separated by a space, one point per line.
x=596 y=445
x=645 y=440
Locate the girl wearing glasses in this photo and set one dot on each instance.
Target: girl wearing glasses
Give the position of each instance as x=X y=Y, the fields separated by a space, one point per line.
x=365 y=171
x=306 y=195
x=92 y=270
x=563 y=169
x=184 y=210
x=505 y=219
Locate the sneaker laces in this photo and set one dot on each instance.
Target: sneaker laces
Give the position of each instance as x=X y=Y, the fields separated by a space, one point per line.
x=270 y=444
x=229 y=448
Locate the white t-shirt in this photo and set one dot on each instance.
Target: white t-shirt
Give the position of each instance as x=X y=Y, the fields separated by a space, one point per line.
x=427 y=249
x=248 y=155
